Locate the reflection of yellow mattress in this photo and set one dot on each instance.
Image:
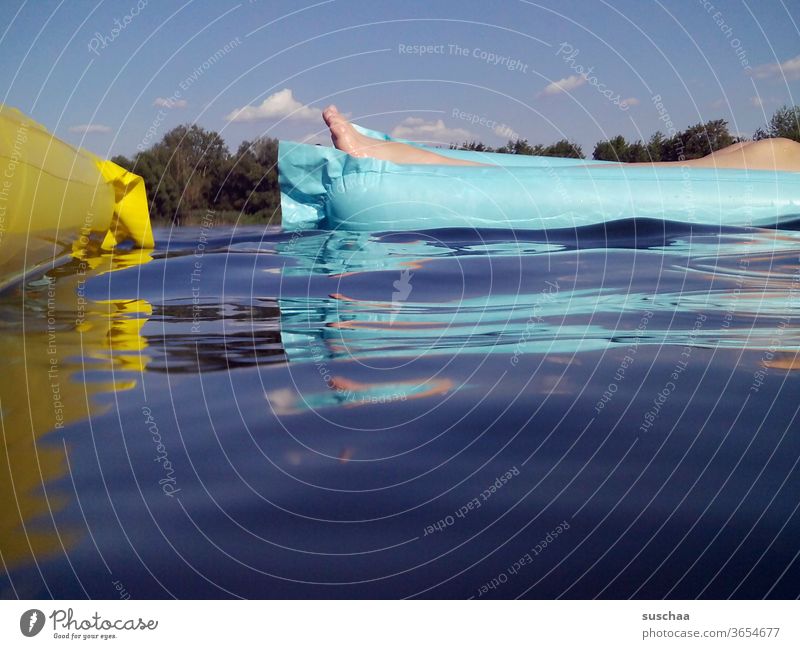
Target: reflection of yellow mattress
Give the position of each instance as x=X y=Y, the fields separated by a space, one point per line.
x=49 y=341
x=55 y=199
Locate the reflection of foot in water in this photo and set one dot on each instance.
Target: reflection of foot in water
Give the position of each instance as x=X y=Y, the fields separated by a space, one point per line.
x=358 y=393
x=351 y=394
x=773 y=154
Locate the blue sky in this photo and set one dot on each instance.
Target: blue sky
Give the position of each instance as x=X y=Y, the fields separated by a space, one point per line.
x=114 y=76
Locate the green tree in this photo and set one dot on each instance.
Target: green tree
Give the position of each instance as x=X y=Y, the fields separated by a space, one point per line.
x=614 y=149
x=122 y=161
x=563 y=149
x=473 y=146
x=618 y=149
x=196 y=160
x=637 y=152
x=560 y=149
x=518 y=147
x=785 y=122
x=250 y=183
x=163 y=191
x=697 y=141
x=182 y=172
x=655 y=146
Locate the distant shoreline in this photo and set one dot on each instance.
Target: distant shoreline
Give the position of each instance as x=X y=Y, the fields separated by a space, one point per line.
x=191 y=172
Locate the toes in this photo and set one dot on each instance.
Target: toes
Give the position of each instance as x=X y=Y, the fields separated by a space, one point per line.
x=338 y=122
x=342 y=133
x=339 y=129
x=330 y=114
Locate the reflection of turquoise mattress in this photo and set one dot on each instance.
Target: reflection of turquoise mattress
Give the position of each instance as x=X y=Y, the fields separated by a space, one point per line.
x=322 y=187
x=338 y=303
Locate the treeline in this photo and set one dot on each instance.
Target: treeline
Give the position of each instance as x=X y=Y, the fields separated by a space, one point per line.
x=560 y=149
x=694 y=142
x=191 y=170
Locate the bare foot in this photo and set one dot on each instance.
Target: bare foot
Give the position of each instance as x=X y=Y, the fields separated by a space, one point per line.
x=348 y=139
x=344 y=136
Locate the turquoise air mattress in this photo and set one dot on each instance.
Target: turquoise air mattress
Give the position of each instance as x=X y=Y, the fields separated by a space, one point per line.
x=324 y=188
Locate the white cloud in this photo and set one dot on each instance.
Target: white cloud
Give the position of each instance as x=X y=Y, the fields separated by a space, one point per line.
x=631 y=101
x=756 y=101
x=421 y=130
x=89 y=128
x=281 y=104
x=564 y=85
x=162 y=102
x=790 y=69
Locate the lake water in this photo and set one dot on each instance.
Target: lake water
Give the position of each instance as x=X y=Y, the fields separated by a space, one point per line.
x=453 y=413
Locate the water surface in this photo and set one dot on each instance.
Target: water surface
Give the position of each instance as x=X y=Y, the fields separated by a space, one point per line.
x=608 y=412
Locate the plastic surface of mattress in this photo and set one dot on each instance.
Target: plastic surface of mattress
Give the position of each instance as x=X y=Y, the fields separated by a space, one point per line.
x=57 y=200
x=322 y=187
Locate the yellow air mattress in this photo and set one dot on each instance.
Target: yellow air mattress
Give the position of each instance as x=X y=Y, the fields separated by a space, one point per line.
x=56 y=200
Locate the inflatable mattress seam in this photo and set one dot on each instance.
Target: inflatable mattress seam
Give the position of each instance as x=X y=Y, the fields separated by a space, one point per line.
x=50 y=173
x=572 y=173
